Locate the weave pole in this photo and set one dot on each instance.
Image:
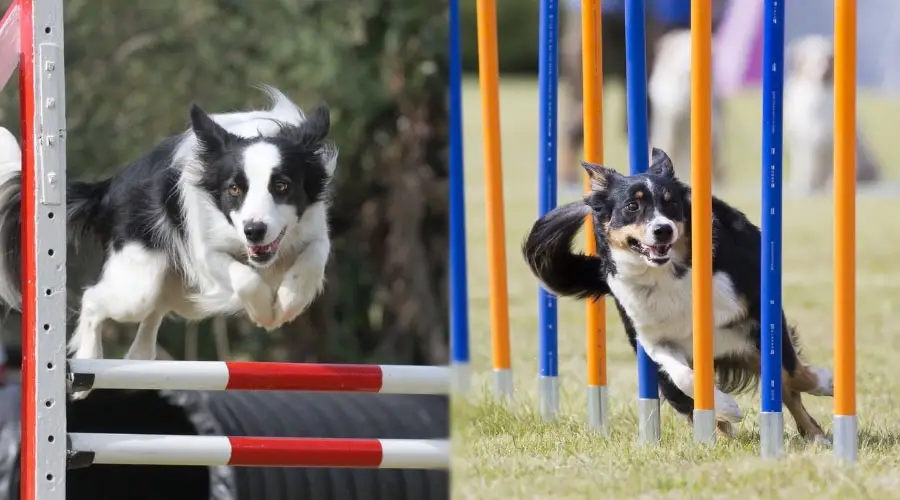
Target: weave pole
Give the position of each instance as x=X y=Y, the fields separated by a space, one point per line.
x=143 y=449
x=845 y=425
x=638 y=153
x=548 y=349
x=489 y=78
x=592 y=69
x=701 y=220
x=43 y=113
x=771 y=423
x=459 y=295
x=257 y=376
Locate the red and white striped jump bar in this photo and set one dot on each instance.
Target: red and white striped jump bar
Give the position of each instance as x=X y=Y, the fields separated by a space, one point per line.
x=260 y=376
x=148 y=449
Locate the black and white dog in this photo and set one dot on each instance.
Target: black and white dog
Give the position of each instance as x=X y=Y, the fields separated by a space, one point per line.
x=642 y=229
x=228 y=216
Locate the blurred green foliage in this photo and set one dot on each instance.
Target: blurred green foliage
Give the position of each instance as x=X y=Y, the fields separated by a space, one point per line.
x=133 y=69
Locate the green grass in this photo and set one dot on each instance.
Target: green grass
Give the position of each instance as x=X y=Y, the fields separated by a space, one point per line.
x=508 y=452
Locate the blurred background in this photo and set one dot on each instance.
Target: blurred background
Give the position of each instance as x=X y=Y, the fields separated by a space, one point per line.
x=134 y=68
x=737 y=45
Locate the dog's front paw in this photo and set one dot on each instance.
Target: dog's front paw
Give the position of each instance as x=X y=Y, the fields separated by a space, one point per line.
x=727 y=408
x=292 y=299
x=254 y=294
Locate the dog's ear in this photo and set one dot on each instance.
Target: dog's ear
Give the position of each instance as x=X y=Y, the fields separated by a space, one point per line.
x=601 y=177
x=213 y=138
x=661 y=164
x=318 y=122
x=314 y=132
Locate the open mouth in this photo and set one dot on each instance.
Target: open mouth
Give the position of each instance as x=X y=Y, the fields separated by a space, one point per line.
x=655 y=254
x=261 y=254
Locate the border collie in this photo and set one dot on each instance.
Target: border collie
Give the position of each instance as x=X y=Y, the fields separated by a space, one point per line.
x=228 y=216
x=809 y=119
x=642 y=229
x=669 y=89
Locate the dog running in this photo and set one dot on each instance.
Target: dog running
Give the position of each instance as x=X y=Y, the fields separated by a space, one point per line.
x=226 y=217
x=642 y=230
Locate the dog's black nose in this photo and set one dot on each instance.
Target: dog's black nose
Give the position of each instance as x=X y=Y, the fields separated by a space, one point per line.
x=255 y=231
x=663 y=233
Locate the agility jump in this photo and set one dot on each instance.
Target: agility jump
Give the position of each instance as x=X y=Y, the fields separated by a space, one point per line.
x=46 y=447
x=772 y=335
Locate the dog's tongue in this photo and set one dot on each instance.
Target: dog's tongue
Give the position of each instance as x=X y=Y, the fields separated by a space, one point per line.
x=261 y=249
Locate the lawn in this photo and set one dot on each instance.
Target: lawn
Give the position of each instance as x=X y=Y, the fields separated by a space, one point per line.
x=508 y=452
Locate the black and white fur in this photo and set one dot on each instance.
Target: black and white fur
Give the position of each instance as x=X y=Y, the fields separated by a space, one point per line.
x=642 y=230
x=229 y=216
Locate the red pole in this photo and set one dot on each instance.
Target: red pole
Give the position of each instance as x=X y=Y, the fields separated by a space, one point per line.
x=29 y=269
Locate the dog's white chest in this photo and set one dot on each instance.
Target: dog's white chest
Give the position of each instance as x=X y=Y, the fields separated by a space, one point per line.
x=660 y=307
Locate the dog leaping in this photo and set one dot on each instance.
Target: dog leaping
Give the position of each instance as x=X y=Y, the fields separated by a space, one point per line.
x=229 y=216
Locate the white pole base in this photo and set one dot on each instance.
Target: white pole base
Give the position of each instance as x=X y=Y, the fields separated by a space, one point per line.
x=705 y=426
x=648 y=421
x=846 y=445
x=503 y=383
x=548 y=397
x=771 y=434
x=460 y=378
x=598 y=409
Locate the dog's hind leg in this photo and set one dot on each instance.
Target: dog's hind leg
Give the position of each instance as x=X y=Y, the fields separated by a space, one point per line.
x=144 y=344
x=806 y=424
x=802 y=377
x=127 y=292
x=798 y=377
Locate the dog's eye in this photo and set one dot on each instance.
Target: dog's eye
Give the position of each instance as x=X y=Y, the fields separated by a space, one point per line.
x=632 y=206
x=234 y=190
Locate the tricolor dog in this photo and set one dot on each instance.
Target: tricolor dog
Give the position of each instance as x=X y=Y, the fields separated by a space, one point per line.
x=643 y=234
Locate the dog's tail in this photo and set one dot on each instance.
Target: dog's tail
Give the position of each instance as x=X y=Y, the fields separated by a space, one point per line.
x=548 y=252
x=83 y=201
